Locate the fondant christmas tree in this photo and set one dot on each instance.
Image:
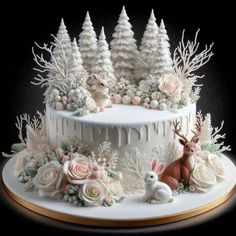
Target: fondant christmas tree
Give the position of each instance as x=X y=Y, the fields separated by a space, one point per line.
x=148 y=45
x=88 y=44
x=62 y=45
x=123 y=48
x=76 y=63
x=63 y=38
x=102 y=59
x=162 y=63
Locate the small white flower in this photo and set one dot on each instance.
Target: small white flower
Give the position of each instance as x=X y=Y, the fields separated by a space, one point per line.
x=156 y=95
x=192 y=188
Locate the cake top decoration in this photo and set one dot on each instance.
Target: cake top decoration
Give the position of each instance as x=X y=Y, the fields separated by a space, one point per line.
x=148 y=76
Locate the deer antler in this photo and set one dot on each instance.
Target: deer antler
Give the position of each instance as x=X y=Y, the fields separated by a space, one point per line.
x=177 y=129
x=198 y=127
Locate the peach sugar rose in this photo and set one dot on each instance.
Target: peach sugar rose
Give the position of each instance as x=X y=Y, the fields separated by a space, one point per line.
x=170 y=85
x=80 y=169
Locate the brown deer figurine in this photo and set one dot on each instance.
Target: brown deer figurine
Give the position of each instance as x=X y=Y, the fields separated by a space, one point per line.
x=179 y=170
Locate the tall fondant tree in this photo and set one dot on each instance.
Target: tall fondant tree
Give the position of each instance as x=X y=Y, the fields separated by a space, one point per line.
x=76 y=63
x=148 y=46
x=62 y=45
x=88 y=43
x=64 y=38
x=123 y=48
x=162 y=62
x=103 y=64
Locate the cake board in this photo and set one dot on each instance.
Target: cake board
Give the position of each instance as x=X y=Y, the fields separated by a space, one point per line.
x=131 y=212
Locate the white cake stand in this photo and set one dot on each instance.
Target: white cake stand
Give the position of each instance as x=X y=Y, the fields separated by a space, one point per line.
x=131 y=212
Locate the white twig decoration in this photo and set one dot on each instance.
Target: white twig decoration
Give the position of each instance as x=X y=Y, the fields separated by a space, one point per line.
x=58 y=65
x=186 y=59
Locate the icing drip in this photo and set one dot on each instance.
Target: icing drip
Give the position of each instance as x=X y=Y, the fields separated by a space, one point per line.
x=67 y=123
x=119 y=136
x=62 y=126
x=93 y=134
x=57 y=126
x=141 y=133
x=128 y=131
x=74 y=126
x=106 y=133
x=157 y=128
x=164 y=128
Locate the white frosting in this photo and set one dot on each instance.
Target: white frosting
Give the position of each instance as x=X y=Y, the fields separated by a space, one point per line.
x=125 y=126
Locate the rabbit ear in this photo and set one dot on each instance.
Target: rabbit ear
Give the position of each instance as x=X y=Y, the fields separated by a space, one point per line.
x=153 y=164
x=160 y=168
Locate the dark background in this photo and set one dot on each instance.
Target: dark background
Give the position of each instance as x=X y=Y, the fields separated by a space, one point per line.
x=25 y=23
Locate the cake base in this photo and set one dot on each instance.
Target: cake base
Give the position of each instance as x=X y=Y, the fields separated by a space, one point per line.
x=131 y=212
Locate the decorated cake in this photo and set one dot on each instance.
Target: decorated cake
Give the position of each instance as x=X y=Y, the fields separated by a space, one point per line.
x=118 y=119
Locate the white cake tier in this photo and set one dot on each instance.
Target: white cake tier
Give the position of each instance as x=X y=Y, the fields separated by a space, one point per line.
x=124 y=126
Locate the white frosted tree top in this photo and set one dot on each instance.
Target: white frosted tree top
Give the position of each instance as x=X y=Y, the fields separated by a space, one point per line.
x=76 y=65
x=102 y=60
x=64 y=38
x=88 y=43
x=123 y=48
x=149 y=44
x=163 y=61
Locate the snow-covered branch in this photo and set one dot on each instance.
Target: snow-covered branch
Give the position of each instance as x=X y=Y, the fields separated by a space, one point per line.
x=187 y=59
x=210 y=136
x=57 y=67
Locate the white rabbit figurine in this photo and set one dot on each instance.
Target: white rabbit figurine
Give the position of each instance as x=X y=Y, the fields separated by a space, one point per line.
x=156 y=191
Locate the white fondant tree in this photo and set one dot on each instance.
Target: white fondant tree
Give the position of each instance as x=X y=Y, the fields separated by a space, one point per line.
x=76 y=63
x=148 y=45
x=102 y=59
x=123 y=48
x=62 y=48
x=88 y=44
x=64 y=38
x=162 y=63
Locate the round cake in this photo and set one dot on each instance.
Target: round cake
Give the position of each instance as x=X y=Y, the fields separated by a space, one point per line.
x=120 y=124
x=124 y=126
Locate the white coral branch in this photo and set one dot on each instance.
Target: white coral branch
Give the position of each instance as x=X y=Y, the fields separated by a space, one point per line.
x=58 y=64
x=186 y=59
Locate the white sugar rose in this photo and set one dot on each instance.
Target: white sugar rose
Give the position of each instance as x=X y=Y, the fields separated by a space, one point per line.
x=170 y=85
x=93 y=193
x=48 y=179
x=215 y=164
x=202 y=177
